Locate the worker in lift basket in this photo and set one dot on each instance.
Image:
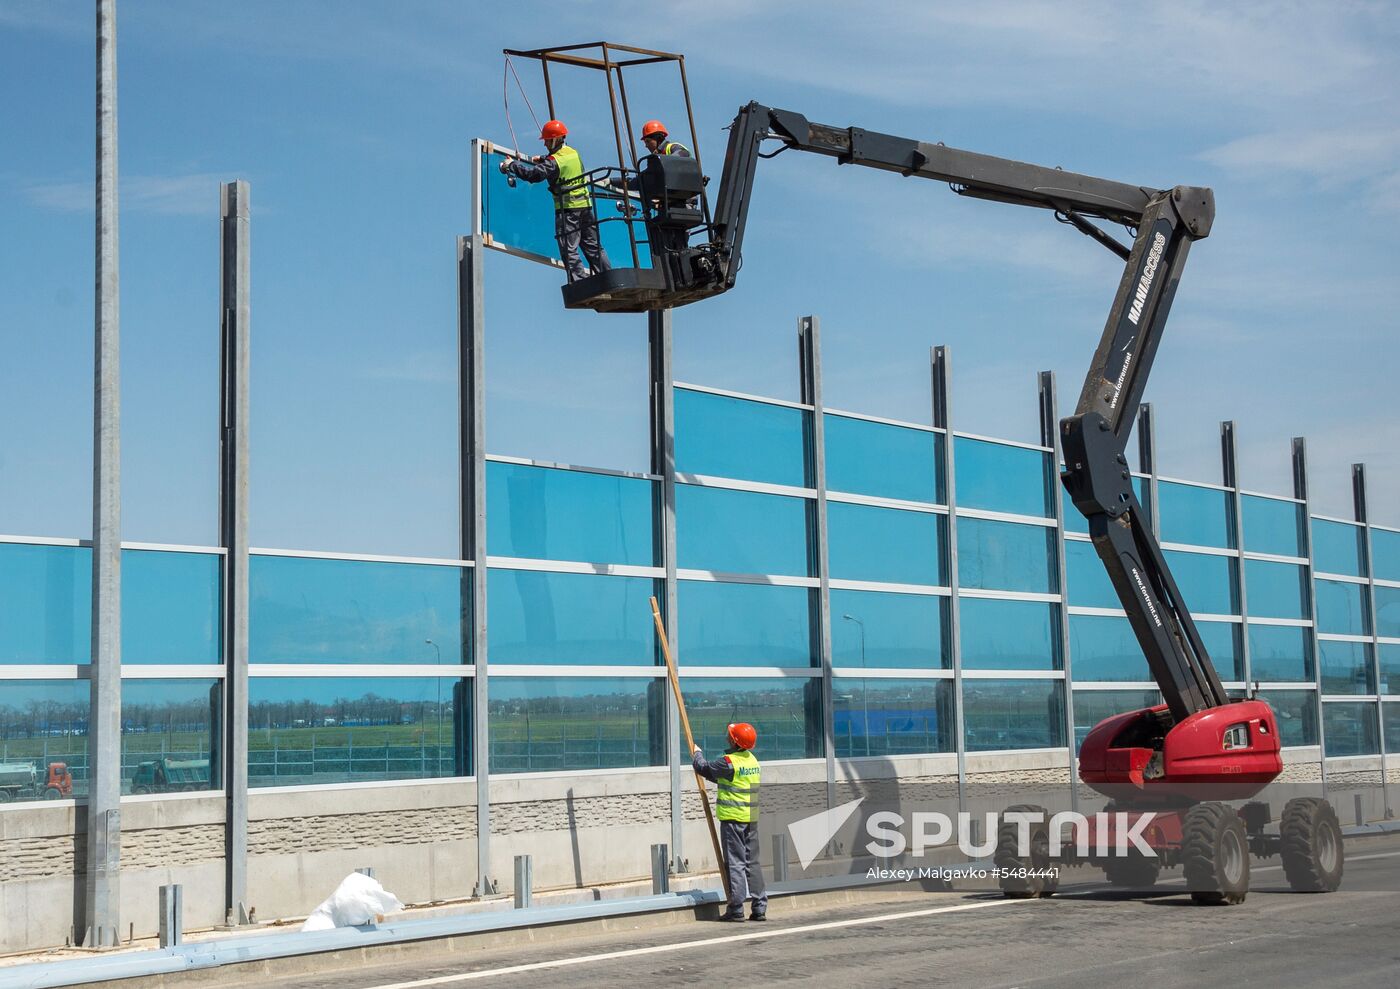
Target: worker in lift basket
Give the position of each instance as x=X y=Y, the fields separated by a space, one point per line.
x=655 y=139
x=736 y=774
x=575 y=224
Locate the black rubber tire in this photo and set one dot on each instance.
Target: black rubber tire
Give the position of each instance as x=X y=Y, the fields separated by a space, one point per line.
x=1215 y=854
x=1006 y=857
x=1134 y=872
x=1312 y=851
x=6 y=796
x=53 y=793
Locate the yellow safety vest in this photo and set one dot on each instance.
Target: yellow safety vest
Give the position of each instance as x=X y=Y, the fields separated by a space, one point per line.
x=738 y=798
x=571 y=191
x=669 y=148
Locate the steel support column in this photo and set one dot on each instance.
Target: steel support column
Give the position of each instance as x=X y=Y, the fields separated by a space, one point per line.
x=101 y=912
x=941 y=366
x=809 y=353
x=471 y=344
x=1358 y=493
x=1300 y=491
x=1230 y=477
x=1050 y=436
x=235 y=343
x=663 y=464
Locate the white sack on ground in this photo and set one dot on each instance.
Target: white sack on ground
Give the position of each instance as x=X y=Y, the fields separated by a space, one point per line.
x=359 y=899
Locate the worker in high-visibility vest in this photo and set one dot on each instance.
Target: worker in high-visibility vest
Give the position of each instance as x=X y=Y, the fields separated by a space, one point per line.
x=575 y=223
x=736 y=775
x=655 y=139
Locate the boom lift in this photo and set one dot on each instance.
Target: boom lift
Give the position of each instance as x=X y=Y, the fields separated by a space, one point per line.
x=1182 y=759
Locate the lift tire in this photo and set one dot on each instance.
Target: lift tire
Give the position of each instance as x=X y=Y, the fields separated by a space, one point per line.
x=1136 y=871
x=1311 y=846
x=1215 y=854
x=1007 y=856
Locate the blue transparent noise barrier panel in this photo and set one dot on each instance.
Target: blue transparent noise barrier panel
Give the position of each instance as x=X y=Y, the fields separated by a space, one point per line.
x=739 y=438
x=170 y=606
x=570 y=619
x=884 y=460
x=722 y=624
x=551 y=514
x=305 y=730
x=882 y=717
x=522 y=218
x=351 y=611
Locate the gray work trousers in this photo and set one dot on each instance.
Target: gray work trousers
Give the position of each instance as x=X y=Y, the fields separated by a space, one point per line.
x=741 y=861
x=574 y=229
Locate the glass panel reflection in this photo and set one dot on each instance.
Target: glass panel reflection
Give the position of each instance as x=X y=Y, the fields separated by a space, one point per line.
x=875 y=458
x=1385 y=554
x=168 y=731
x=734 y=437
x=45 y=604
x=1280 y=652
x=171 y=607
x=1009 y=635
x=1272 y=526
x=1013 y=714
x=1001 y=478
x=884 y=544
x=744 y=625
x=1104 y=648
x=1350 y=728
x=1198 y=516
x=1223 y=642
x=1276 y=590
x=1296 y=711
x=879 y=717
x=552 y=723
x=1389 y=656
x=1391 y=713
x=1089 y=586
x=1346 y=667
x=1338 y=547
x=1341 y=608
x=1005 y=556
x=741 y=532
x=43 y=739
x=1207 y=583
x=304 y=730
x=551 y=514
x=1094 y=706
x=786 y=712
x=874 y=630
x=1388 y=612
x=353 y=611
x=549 y=618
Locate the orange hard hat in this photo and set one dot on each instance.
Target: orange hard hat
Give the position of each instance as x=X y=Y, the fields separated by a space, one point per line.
x=653 y=127
x=553 y=129
x=743 y=735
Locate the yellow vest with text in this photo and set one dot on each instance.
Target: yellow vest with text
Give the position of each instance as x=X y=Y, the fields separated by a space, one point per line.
x=738 y=798
x=671 y=147
x=570 y=191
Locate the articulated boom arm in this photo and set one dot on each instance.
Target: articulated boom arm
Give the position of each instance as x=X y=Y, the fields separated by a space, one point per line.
x=1096 y=473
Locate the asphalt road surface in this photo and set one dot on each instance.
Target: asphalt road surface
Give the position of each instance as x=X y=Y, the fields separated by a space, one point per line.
x=1089 y=935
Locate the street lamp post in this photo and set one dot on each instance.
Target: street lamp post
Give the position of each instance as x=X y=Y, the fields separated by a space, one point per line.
x=435 y=646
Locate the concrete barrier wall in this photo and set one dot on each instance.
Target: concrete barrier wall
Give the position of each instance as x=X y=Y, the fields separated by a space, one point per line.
x=581 y=830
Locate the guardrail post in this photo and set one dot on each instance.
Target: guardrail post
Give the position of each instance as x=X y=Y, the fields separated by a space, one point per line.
x=524 y=882
x=780 y=857
x=366 y=871
x=660 y=869
x=172 y=915
x=1360 y=813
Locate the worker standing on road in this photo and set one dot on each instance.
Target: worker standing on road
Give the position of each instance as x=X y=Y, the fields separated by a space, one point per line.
x=575 y=223
x=736 y=775
x=654 y=137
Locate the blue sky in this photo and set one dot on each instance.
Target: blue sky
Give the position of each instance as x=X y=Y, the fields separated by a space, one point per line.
x=352 y=121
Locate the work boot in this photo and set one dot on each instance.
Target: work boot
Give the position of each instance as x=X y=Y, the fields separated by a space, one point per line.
x=731 y=916
x=758 y=916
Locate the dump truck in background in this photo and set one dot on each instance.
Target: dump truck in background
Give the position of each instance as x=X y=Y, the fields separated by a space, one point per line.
x=170 y=776
x=22 y=781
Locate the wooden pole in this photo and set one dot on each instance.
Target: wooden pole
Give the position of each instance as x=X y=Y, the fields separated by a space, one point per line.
x=690 y=740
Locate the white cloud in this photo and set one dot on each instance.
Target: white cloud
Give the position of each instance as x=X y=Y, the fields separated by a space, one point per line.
x=196 y=194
